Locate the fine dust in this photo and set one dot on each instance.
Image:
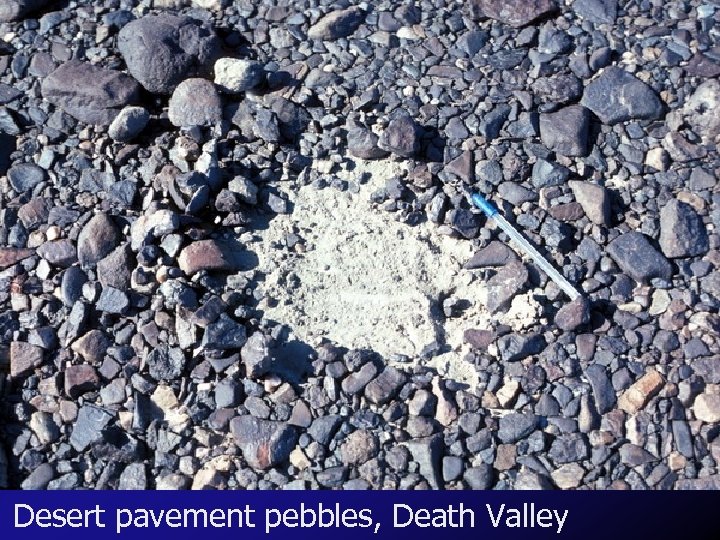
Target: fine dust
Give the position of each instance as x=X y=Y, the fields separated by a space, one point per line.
x=364 y=280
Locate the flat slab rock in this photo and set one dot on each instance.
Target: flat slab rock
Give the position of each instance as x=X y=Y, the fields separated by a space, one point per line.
x=91 y=94
x=616 y=96
x=207 y=255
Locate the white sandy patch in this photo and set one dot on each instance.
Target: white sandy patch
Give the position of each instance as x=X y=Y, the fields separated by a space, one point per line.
x=366 y=280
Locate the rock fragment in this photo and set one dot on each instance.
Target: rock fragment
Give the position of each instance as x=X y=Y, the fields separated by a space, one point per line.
x=503 y=286
x=566 y=131
x=616 y=96
x=129 y=123
x=682 y=231
x=91 y=94
x=97 y=239
x=235 y=76
x=206 y=255
x=515 y=13
x=24 y=358
x=264 y=443
x=401 y=136
x=638 y=258
x=594 y=200
x=337 y=24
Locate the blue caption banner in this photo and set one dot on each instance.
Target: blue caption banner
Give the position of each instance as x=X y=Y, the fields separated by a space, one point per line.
x=318 y=515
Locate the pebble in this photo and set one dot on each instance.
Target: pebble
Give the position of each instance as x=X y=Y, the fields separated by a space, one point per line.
x=637 y=396
x=638 y=258
x=263 y=443
x=682 y=231
x=195 y=102
x=337 y=24
x=616 y=96
x=129 y=123
x=235 y=76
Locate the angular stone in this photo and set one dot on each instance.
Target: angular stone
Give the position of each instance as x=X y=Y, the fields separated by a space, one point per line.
x=363 y=143
x=480 y=339
x=337 y=24
x=594 y=200
x=569 y=448
x=224 y=334
x=637 y=396
x=256 y=356
x=234 y=75
x=165 y=363
x=133 y=477
x=616 y=96
x=494 y=254
x=264 y=443
x=80 y=379
x=602 y=388
x=385 y=386
x=427 y=453
x=25 y=176
x=162 y=50
x=707 y=408
x=89 y=426
x=195 y=102
x=597 y=11
x=355 y=382
x=112 y=300
x=58 y=252
x=503 y=286
x=401 y=136
x=44 y=427
x=91 y=94
x=682 y=231
x=566 y=130
x=638 y=258
x=514 y=347
x=323 y=428
x=207 y=255
x=11 y=256
x=92 y=346
x=546 y=173
x=97 y=238
x=24 y=358
x=114 y=270
x=573 y=314
x=516 y=426
x=515 y=13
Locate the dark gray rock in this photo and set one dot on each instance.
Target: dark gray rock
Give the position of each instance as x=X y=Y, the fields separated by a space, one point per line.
x=597 y=11
x=228 y=393
x=195 y=102
x=39 y=478
x=25 y=176
x=479 y=477
x=682 y=231
x=337 y=24
x=91 y=94
x=162 y=50
x=569 y=448
x=165 y=363
x=566 y=131
x=516 y=426
x=323 y=428
x=634 y=455
x=427 y=453
x=638 y=258
x=546 y=173
x=264 y=443
x=224 y=334
x=401 y=136
x=89 y=426
x=112 y=300
x=602 y=388
x=503 y=286
x=363 y=143
x=128 y=124
x=514 y=347
x=59 y=252
x=114 y=269
x=616 y=96
x=512 y=12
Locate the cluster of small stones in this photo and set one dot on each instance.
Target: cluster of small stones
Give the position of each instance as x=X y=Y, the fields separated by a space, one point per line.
x=141 y=141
